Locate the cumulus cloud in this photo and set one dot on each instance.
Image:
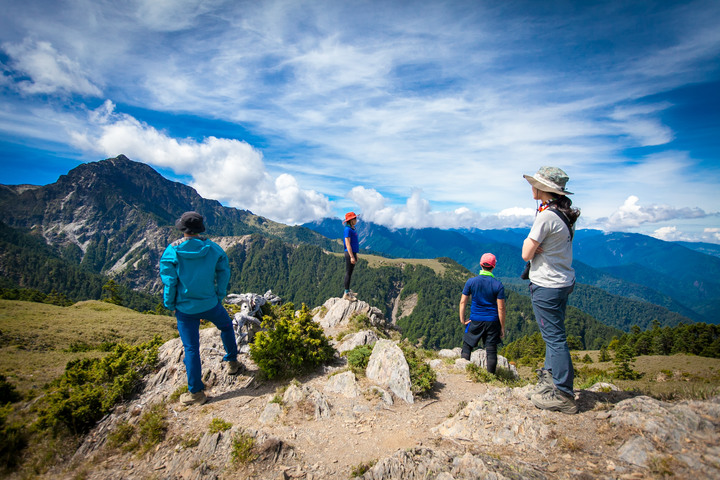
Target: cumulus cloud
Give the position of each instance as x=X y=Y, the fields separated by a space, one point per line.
x=674 y=234
x=631 y=214
x=40 y=69
x=228 y=170
x=418 y=213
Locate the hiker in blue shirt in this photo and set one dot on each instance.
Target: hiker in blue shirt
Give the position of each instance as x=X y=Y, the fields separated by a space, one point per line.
x=352 y=245
x=487 y=312
x=195 y=272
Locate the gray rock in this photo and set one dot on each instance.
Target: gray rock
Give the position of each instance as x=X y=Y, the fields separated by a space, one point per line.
x=454 y=353
x=386 y=397
x=337 y=312
x=603 y=387
x=365 y=337
x=270 y=414
x=479 y=358
x=498 y=417
x=344 y=384
x=388 y=367
x=636 y=451
x=435 y=363
x=461 y=364
x=296 y=394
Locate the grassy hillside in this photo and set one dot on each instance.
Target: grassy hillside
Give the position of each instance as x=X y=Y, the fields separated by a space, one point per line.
x=36 y=339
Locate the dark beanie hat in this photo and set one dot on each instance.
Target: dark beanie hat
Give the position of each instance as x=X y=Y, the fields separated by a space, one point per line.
x=190 y=222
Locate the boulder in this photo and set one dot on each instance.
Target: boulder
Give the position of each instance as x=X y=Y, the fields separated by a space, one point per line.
x=344 y=384
x=365 y=337
x=446 y=353
x=479 y=358
x=337 y=312
x=388 y=367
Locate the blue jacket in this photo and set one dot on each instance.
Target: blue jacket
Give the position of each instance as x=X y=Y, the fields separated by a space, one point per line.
x=195 y=273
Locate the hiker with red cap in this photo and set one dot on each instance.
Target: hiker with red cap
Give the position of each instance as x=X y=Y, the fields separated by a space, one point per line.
x=487 y=312
x=352 y=245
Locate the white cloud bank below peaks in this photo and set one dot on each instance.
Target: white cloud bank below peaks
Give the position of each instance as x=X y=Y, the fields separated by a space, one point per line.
x=417 y=213
x=227 y=170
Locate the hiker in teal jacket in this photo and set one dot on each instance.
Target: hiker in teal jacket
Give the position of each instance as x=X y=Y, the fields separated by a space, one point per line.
x=195 y=272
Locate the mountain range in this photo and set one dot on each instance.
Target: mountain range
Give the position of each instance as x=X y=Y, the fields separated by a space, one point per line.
x=114 y=218
x=631 y=266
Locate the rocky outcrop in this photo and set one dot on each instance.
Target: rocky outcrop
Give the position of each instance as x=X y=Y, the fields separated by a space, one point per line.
x=337 y=313
x=388 y=367
x=663 y=427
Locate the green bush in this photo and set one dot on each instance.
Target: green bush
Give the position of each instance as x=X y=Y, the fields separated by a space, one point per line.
x=624 y=358
x=243 y=448
x=89 y=388
x=219 y=425
x=358 y=358
x=8 y=392
x=478 y=374
x=291 y=344
x=13 y=439
x=422 y=377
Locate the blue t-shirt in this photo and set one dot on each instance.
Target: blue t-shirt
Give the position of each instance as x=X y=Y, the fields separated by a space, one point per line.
x=486 y=290
x=352 y=235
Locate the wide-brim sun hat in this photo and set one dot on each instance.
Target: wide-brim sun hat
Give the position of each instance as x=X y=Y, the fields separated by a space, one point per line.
x=190 y=222
x=349 y=216
x=549 y=179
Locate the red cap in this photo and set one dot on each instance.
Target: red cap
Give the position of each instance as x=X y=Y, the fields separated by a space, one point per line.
x=488 y=260
x=349 y=216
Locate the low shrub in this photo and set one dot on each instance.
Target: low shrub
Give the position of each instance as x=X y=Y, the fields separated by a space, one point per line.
x=243 y=448
x=89 y=388
x=291 y=344
x=219 y=425
x=13 y=439
x=8 y=392
x=422 y=377
x=358 y=358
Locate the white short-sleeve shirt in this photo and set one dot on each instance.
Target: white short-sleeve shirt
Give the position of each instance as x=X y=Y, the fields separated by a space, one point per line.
x=553 y=267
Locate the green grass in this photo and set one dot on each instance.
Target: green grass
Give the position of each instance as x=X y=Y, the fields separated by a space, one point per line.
x=376 y=261
x=36 y=339
x=671 y=377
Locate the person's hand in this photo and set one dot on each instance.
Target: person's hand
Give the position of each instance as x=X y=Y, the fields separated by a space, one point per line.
x=539 y=250
x=502 y=333
x=353 y=260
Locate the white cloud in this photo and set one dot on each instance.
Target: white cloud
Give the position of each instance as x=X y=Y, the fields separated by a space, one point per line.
x=418 y=213
x=228 y=170
x=49 y=71
x=631 y=215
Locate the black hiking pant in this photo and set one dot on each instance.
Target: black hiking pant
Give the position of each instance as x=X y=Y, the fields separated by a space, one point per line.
x=349 y=267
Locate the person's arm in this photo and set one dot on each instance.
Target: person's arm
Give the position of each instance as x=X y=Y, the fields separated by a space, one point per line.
x=169 y=277
x=501 y=315
x=353 y=257
x=530 y=248
x=463 y=306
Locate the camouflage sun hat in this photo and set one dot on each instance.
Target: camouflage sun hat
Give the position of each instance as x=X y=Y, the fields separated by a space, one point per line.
x=549 y=179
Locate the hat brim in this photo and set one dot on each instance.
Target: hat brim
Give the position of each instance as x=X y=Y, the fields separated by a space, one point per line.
x=544 y=186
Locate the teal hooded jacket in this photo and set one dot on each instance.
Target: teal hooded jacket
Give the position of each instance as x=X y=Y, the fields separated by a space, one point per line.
x=195 y=272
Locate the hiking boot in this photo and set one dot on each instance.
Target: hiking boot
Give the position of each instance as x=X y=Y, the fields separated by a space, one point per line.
x=197 y=398
x=555 y=401
x=544 y=384
x=349 y=297
x=234 y=367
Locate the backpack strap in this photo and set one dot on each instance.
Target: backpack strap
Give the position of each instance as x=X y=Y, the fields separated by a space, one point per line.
x=565 y=220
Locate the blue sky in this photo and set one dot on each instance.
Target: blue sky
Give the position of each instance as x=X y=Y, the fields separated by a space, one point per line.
x=412 y=114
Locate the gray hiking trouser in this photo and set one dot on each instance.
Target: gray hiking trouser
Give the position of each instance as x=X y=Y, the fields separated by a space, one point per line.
x=549 y=305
